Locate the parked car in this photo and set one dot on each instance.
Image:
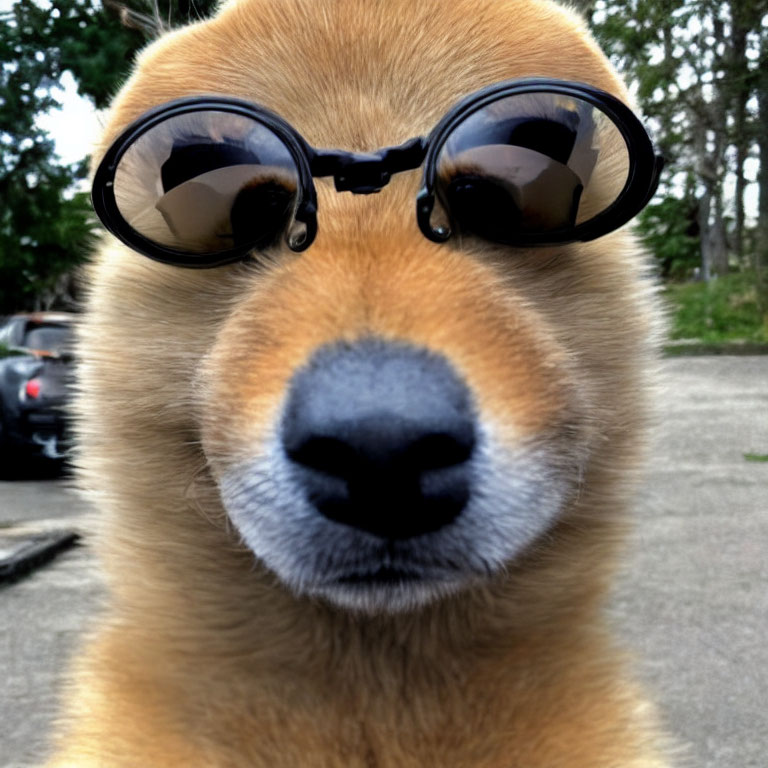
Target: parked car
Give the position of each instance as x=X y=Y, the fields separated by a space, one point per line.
x=35 y=380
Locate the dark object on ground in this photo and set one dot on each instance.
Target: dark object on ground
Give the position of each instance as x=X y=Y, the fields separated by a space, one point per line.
x=20 y=555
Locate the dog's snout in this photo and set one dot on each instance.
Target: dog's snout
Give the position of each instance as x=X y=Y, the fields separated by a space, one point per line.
x=380 y=437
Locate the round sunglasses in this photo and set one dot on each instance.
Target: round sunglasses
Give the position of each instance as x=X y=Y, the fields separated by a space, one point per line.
x=205 y=181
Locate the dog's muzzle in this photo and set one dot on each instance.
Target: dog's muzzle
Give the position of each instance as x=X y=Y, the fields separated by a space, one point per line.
x=380 y=488
x=380 y=438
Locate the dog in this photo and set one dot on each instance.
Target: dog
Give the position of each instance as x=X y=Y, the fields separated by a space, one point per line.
x=361 y=488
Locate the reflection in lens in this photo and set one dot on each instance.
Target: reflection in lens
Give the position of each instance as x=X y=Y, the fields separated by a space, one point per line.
x=531 y=163
x=207 y=181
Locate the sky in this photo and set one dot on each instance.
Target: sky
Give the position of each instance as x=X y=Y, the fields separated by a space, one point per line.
x=76 y=126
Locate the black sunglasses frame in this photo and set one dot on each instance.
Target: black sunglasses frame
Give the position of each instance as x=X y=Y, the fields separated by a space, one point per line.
x=103 y=191
x=365 y=173
x=645 y=165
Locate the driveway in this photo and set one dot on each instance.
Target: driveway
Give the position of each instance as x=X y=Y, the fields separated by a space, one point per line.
x=692 y=601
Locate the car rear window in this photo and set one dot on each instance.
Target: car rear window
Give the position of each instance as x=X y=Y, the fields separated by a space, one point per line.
x=52 y=338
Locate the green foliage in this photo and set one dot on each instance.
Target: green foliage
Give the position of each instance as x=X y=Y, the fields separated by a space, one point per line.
x=724 y=309
x=56 y=227
x=671 y=232
x=758 y=457
x=45 y=226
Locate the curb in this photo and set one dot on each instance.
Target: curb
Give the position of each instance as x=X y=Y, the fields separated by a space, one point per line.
x=694 y=348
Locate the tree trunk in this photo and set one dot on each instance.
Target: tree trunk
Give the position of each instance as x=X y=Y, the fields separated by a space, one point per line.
x=739 y=88
x=761 y=244
x=718 y=240
x=709 y=129
x=705 y=203
x=714 y=251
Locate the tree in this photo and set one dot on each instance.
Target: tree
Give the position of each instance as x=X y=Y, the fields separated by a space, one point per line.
x=694 y=64
x=45 y=224
x=670 y=227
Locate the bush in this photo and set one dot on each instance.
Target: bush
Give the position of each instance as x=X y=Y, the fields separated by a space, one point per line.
x=723 y=309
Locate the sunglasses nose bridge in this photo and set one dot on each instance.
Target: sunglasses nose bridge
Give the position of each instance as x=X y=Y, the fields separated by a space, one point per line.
x=364 y=173
x=361 y=174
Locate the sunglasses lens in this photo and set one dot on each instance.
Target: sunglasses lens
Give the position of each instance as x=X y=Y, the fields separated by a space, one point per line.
x=531 y=165
x=207 y=182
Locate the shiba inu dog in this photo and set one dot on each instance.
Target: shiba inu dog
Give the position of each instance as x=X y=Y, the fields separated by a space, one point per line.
x=365 y=379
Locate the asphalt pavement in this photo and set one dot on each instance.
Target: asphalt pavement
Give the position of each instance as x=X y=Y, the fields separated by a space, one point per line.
x=692 y=602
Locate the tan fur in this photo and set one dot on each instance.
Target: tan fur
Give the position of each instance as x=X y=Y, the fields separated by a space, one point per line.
x=202 y=657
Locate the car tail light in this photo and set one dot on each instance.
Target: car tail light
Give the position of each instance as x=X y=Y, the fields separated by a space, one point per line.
x=32 y=389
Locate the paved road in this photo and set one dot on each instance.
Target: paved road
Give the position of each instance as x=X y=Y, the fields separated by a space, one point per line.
x=693 y=601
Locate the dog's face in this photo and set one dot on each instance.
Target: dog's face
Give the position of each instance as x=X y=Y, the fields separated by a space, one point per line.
x=387 y=419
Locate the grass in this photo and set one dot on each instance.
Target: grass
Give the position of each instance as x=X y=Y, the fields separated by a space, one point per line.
x=762 y=457
x=722 y=310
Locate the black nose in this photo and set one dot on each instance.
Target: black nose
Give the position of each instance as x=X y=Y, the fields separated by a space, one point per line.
x=380 y=436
